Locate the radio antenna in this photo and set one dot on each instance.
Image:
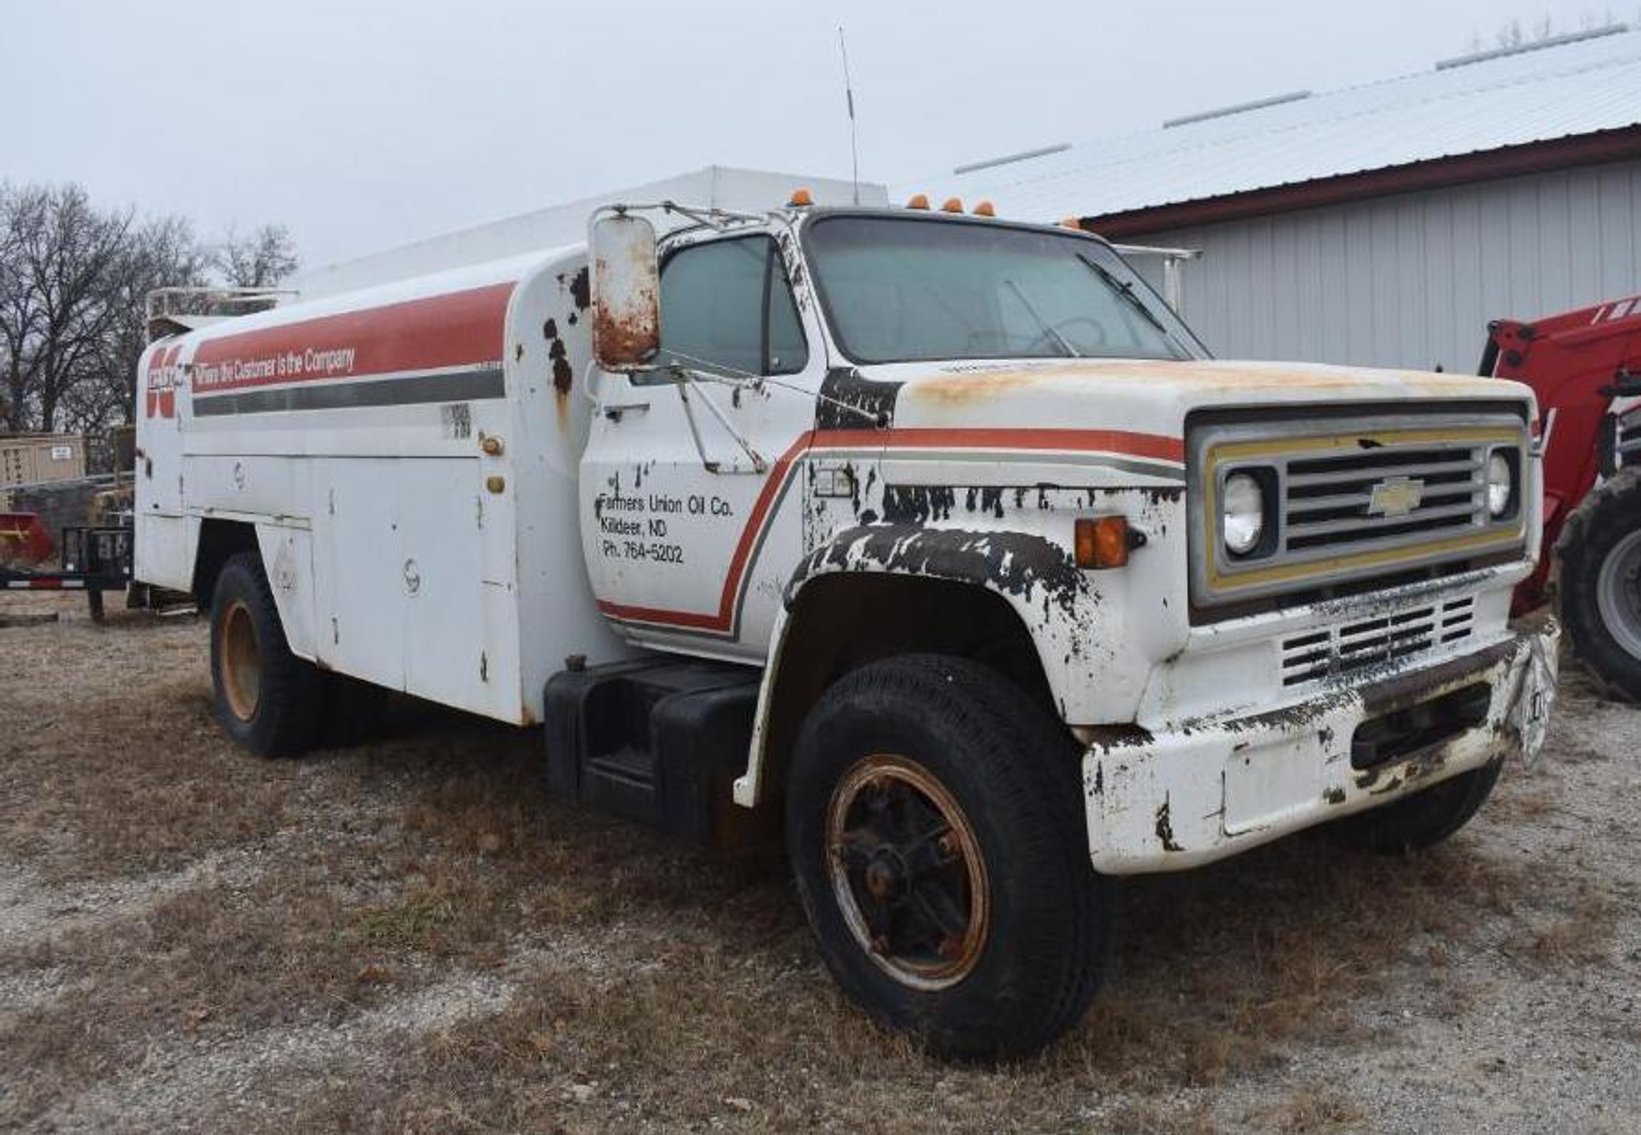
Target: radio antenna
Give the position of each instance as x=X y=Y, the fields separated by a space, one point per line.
x=849 y=97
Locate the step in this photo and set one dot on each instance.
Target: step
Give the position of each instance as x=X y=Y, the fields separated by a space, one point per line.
x=658 y=740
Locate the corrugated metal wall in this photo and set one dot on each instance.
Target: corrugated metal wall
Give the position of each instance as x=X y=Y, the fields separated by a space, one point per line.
x=1411 y=281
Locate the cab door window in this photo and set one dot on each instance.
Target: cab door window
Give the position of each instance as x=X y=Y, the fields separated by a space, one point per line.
x=726 y=305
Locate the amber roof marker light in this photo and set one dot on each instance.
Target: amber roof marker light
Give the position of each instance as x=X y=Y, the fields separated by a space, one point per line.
x=952 y=205
x=918 y=201
x=801 y=199
x=985 y=209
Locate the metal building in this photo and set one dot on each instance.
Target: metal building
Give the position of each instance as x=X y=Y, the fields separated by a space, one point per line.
x=1383 y=224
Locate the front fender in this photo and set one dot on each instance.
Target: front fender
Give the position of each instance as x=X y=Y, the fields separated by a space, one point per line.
x=1035 y=575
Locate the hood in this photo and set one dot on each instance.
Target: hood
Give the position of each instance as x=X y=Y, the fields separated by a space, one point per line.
x=1150 y=395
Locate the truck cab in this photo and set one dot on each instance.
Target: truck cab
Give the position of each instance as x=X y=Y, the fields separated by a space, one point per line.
x=937 y=542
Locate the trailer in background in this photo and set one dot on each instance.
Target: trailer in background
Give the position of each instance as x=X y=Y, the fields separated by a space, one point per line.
x=32 y=458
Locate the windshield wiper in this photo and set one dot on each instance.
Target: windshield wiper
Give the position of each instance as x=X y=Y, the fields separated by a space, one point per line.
x=1125 y=288
x=1048 y=328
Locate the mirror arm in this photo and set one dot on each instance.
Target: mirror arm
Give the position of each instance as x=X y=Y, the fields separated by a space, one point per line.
x=687 y=378
x=683 y=381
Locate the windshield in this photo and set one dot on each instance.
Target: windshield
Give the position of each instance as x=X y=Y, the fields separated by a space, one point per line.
x=902 y=289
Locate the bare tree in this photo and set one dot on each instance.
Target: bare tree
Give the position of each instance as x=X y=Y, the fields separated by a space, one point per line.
x=159 y=253
x=260 y=260
x=60 y=254
x=72 y=284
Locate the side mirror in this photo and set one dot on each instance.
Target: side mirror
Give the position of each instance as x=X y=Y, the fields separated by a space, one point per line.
x=626 y=291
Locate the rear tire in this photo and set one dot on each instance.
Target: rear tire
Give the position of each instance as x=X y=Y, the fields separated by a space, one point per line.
x=1600 y=589
x=1421 y=820
x=267 y=699
x=936 y=830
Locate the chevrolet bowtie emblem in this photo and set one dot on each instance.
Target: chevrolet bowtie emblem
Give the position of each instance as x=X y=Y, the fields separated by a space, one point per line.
x=1396 y=496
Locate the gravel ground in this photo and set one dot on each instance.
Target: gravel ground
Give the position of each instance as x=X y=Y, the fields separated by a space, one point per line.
x=410 y=937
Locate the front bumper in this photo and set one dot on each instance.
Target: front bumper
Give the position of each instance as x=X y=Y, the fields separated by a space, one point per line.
x=1167 y=801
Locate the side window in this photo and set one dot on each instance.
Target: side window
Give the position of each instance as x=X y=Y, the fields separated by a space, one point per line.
x=727 y=304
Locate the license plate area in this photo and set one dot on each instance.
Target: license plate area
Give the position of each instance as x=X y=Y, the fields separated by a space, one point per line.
x=1403 y=732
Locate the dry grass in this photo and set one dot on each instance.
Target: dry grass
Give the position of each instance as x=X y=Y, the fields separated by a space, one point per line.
x=625 y=983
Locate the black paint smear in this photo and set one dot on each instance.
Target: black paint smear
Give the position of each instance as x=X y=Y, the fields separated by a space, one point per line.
x=1014 y=562
x=849 y=402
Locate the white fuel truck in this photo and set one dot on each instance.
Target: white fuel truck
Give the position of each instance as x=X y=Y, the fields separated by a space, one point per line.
x=935 y=538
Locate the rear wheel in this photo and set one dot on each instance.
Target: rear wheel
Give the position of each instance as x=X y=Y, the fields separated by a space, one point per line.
x=935 y=827
x=1422 y=820
x=1600 y=584
x=269 y=700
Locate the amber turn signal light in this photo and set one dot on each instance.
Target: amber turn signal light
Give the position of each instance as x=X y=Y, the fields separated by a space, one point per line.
x=1102 y=541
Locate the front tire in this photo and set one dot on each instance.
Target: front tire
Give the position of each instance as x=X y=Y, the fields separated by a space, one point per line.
x=1419 y=821
x=267 y=699
x=936 y=831
x=1600 y=584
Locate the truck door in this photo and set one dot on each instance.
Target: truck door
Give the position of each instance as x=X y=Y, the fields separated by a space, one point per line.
x=687 y=523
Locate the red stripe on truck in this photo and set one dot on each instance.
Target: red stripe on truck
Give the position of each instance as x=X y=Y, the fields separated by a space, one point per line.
x=1156 y=447
x=460 y=329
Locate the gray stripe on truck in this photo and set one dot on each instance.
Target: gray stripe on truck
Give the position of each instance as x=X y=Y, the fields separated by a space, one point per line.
x=458 y=386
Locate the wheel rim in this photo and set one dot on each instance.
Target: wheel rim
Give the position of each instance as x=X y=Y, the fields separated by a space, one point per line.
x=241 y=661
x=1618 y=593
x=907 y=872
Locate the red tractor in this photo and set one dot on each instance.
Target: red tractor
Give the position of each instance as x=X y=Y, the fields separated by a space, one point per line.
x=1585 y=367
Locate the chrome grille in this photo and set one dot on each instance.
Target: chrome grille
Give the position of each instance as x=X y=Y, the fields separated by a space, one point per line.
x=1357 y=645
x=1328 y=502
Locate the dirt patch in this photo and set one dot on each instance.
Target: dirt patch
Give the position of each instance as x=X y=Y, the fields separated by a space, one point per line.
x=410 y=936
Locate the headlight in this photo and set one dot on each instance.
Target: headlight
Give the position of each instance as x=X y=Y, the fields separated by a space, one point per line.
x=1243 y=513
x=1501 y=484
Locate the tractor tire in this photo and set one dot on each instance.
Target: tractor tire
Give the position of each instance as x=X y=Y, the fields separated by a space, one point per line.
x=936 y=831
x=267 y=699
x=1600 y=584
x=1422 y=820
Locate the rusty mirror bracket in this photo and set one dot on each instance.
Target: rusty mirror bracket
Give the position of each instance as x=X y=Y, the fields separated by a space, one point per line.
x=626 y=285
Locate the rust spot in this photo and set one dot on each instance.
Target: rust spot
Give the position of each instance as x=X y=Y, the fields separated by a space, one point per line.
x=966 y=389
x=563 y=373
x=977 y=383
x=581 y=289
x=622 y=338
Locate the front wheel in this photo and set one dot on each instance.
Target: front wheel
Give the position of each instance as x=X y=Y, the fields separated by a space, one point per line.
x=935 y=827
x=1600 y=583
x=1422 y=820
x=269 y=700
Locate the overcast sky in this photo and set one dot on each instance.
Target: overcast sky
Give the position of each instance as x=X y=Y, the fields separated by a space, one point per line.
x=364 y=124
